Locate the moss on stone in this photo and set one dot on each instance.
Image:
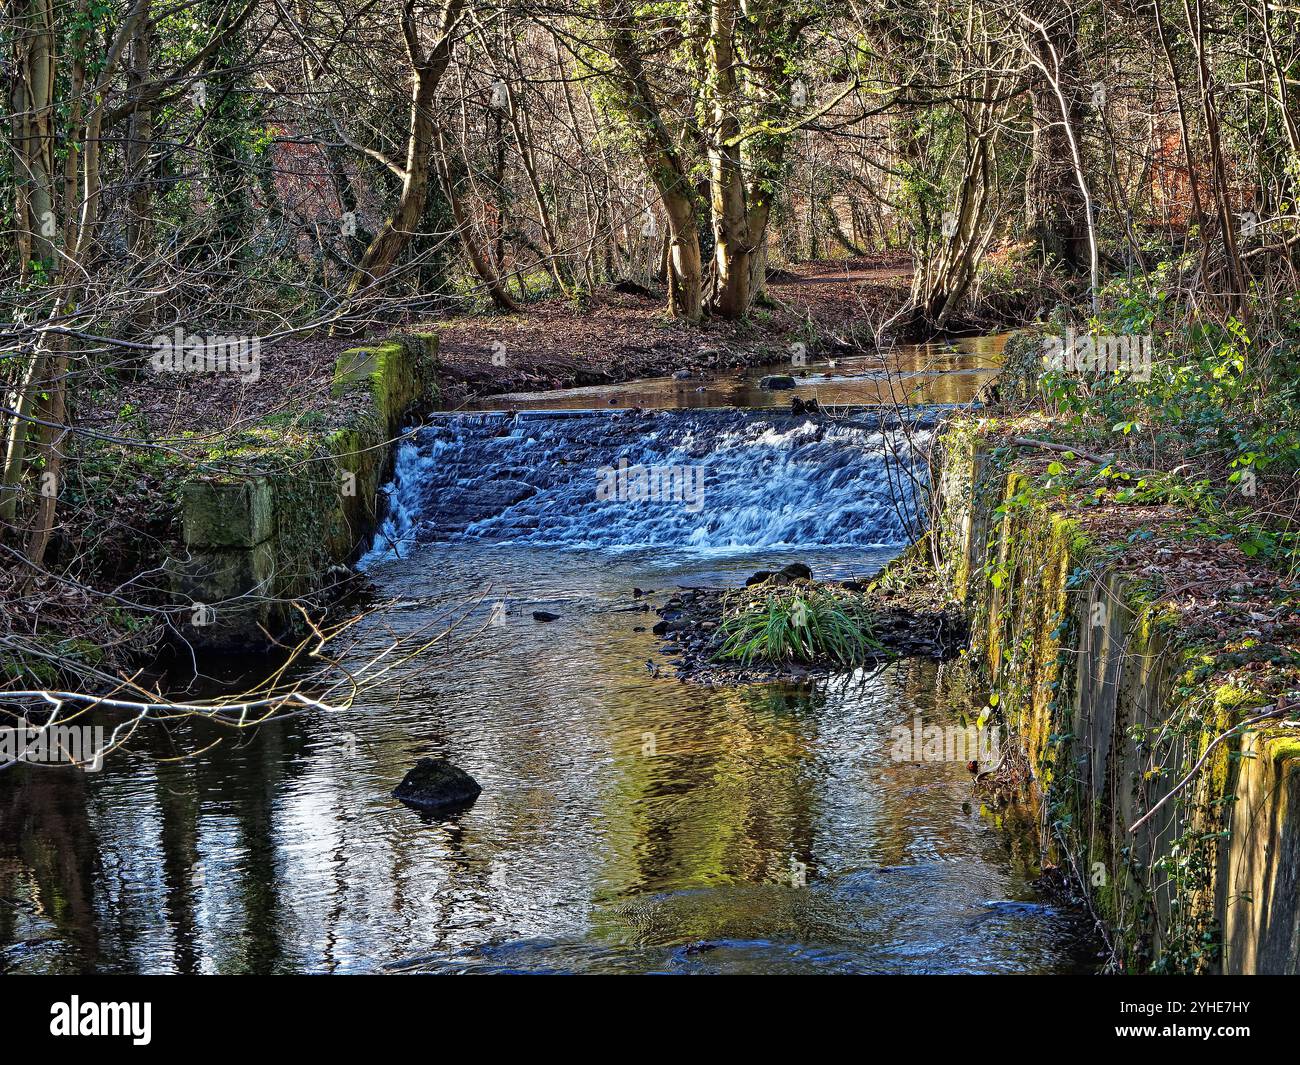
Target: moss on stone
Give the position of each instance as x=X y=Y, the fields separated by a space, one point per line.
x=1109 y=703
x=297 y=497
x=227 y=512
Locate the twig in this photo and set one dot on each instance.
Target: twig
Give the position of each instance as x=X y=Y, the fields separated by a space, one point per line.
x=1209 y=749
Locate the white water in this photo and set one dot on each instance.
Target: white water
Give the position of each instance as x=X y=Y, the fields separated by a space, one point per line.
x=748 y=480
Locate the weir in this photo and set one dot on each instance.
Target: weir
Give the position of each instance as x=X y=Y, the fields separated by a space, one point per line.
x=756 y=480
x=628 y=822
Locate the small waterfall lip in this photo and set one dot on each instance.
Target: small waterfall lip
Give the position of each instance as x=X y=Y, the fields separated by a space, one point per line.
x=920 y=416
x=709 y=481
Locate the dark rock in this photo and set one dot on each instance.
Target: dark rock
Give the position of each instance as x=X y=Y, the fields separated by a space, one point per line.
x=795 y=571
x=545 y=615
x=436 y=784
x=776 y=381
x=660 y=628
x=681 y=375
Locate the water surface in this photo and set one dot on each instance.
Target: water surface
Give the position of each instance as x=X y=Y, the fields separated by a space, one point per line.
x=629 y=822
x=950 y=371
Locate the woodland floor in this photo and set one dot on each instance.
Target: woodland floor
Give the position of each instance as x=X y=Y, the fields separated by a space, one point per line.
x=555 y=343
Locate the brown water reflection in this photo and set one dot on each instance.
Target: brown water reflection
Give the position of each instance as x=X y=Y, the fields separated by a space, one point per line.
x=938 y=372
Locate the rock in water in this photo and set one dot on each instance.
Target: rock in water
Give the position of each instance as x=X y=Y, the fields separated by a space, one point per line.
x=795 y=571
x=776 y=381
x=545 y=615
x=436 y=784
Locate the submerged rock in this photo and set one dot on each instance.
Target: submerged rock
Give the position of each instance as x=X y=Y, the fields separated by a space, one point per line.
x=776 y=381
x=545 y=615
x=436 y=784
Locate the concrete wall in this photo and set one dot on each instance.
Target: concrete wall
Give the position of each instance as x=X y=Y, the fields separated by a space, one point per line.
x=296 y=505
x=1111 y=707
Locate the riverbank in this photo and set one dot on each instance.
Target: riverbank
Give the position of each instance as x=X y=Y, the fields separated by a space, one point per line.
x=1148 y=667
x=203 y=542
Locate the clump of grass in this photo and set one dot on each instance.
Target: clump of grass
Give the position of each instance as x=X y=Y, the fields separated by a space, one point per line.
x=796 y=624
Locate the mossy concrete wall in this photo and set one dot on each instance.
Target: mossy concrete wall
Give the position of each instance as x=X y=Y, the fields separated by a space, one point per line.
x=1260 y=888
x=296 y=505
x=1110 y=709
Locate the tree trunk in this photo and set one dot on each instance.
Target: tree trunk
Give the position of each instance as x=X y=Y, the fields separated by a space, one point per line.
x=1056 y=216
x=477 y=260
x=663 y=164
x=400 y=226
x=32 y=101
x=139 y=140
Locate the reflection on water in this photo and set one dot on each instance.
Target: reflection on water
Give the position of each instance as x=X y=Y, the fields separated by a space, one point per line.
x=937 y=372
x=628 y=822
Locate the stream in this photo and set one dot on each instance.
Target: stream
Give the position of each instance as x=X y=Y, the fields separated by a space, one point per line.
x=628 y=822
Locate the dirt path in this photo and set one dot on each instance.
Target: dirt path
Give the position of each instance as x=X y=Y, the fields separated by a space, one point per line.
x=851 y=274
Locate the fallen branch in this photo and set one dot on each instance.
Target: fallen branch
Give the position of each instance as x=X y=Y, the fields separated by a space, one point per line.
x=1064 y=449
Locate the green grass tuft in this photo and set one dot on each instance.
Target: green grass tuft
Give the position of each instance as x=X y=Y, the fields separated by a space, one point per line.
x=797 y=624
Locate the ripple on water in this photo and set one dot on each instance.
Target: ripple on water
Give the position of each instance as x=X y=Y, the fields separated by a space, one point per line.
x=628 y=822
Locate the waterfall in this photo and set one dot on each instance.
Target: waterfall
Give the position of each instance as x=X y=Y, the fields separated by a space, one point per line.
x=712 y=480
